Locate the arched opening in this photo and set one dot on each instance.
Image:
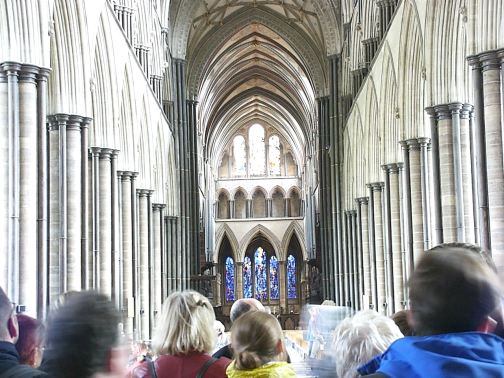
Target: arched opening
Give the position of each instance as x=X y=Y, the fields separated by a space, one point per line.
x=261 y=278
x=227 y=269
x=258 y=204
x=223 y=206
x=295 y=204
x=278 y=204
x=240 y=205
x=294 y=266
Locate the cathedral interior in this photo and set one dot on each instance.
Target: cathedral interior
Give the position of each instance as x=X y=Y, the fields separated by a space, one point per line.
x=288 y=150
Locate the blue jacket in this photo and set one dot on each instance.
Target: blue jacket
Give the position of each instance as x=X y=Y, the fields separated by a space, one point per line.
x=465 y=354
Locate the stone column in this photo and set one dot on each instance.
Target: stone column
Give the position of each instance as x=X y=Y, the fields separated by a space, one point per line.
x=42 y=194
x=143 y=225
x=282 y=274
x=395 y=278
x=345 y=257
x=94 y=205
x=27 y=171
x=362 y=214
x=376 y=191
x=157 y=223
x=105 y=221
x=171 y=252
x=357 y=262
x=478 y=154
x=488 y=81
x=4 y=184
x=127 y=215
x=372 y=252
x=116 y=268
x=239 y=279
x=287 y=207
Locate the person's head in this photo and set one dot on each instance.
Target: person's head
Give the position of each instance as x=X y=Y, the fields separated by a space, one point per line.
x=82 y=338
x=244 y=305
x=31 y=340
x=185 y=325
x=219 y=328
x=453 y=290
x=8 y=320
x=328 y=302
x=360 y=338
x=256 y=339
x=400 y=318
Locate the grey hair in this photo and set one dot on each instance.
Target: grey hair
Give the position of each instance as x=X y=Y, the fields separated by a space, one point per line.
x=360 y=338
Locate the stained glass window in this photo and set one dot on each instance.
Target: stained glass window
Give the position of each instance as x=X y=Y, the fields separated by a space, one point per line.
x=240 y=156
x=273 y=268
x=257 y=150
x=247 y=277
x=261 y=278
x=274 y=155
x=230 y=293
x=291 y=277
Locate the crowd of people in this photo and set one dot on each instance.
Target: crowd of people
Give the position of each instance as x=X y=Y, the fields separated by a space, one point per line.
x=453 y=328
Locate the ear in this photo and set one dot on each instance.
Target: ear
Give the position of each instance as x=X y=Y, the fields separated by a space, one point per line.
x=13 y=328
x=487 y=326
x=280 y=348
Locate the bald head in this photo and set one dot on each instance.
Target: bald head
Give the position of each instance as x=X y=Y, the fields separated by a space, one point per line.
x=244 y=305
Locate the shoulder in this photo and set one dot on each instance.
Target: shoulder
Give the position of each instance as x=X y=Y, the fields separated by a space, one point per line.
x=23 y=371
x=223 y=352
x=218 y=368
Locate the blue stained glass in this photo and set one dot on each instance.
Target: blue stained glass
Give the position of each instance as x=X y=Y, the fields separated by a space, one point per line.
x=230 y=285
x=261 y=279
x=291 y=277
x=247 y=277
x=274 y=291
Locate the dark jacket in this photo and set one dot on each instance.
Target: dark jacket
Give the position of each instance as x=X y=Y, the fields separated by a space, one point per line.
x=9 y=363
x=461 y=355
x=225 y=351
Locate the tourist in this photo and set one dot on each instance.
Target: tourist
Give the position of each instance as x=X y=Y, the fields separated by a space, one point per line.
x=183 y=339
x=453 y=292
x=222 y=339
x=10 y=365
x=141 y=356
x=258 y=345
x=359 y=338
x=30 y=344
x=82 y=339
x=239 y=307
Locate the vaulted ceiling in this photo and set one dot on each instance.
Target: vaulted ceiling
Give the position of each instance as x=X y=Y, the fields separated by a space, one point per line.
x=253 y=61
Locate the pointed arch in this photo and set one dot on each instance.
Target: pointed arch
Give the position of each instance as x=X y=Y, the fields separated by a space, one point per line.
x=255 y=232
x=294 y=229
x=225 y=231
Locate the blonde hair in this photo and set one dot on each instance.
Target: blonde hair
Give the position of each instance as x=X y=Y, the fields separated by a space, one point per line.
x=255 y=336
x=185 y=325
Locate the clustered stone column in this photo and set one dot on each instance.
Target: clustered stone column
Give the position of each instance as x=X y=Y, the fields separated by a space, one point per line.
x=144 y=247
x=173 y=254
x=392 y=218
x=377 y=242
x=157 y=259
x=351 y=260
x=488 y=82
x=453 y=199
x=23 y=224
x=365 y=268
x=66 y=133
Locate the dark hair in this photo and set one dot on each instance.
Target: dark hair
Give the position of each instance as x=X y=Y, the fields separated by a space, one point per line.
x=80 y=335
x=31 y=336
x=452 y=290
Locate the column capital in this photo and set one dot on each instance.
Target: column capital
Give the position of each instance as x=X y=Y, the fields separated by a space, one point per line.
x=95 y=151
x=74 y=122
x=106 y=154
x=85 y=122
x=443 y=111
x=127 y=175
x=11 y=68
x=413 y=144
x=430 y=111
x=455 y=107
x=57 y=120
x=28 y=73
x=43 y=74
x=392 y=167
x=376 y=186
x=144 y=192
x=423 y=141
x=500 y=54
x=114 y=153
x=488 y=60
x=353 y=212
x=466 y=111
x=362 y=200
x=158 y=206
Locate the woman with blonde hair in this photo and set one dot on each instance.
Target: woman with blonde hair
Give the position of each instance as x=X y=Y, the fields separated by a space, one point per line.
x=258 y=344
x=183 y=340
